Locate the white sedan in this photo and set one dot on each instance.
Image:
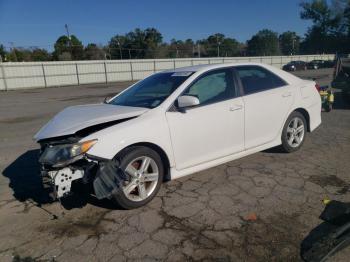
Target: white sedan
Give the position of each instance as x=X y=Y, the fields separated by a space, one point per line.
x=175 y=123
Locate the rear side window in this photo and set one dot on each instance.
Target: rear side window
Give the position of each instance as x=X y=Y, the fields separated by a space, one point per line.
x=256 y=79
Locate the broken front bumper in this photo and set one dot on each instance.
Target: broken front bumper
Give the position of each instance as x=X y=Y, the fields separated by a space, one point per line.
x=106 y=177
x=60 y=181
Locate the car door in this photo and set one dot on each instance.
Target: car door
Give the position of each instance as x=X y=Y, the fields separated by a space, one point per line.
x=214 y=128
x=267 y=99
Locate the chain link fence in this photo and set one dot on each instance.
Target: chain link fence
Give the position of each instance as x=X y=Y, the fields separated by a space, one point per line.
x=26 y=75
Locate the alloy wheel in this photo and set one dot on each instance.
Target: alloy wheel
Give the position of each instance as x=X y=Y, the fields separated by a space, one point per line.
x=295 y=132
x=144 y=175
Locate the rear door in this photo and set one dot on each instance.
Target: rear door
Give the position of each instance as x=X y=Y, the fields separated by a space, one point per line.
x=267 y=99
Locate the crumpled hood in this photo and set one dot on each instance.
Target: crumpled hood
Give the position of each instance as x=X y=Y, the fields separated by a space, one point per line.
x=75 y=118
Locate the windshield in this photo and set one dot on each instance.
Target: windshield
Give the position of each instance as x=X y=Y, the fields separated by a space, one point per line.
x=152 y=91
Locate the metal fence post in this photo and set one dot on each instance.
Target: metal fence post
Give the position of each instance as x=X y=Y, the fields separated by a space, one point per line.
x=174 y=63
x=77 y=72
x=44 y=76
x=131 y=72
x=105 y=68
x=154 y=66
x=281 y=62
x=4 y=76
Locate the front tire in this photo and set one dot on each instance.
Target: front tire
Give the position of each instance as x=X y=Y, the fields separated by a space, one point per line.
x=146 y=171
x=294 y=132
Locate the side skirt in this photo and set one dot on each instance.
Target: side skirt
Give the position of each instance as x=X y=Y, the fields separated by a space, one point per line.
x=188 y=171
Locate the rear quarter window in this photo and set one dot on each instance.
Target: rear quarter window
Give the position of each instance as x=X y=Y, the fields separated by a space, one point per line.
x=257 y=79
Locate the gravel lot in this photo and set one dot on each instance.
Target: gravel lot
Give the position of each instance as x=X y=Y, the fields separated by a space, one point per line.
x=205 y=216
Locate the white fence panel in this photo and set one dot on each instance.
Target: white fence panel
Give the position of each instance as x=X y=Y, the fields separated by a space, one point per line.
x=164 y=65
x=91 y=73
x=118 y=71
x=60 y=74
x=46 y=74
x=2 y=79
x=183 y=63
x=201 y=62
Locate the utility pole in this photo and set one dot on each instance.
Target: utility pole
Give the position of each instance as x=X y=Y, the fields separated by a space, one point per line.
x=293 y=45
x=218 y=45
x=120 y=49
x=69 y=41
x=13 y=50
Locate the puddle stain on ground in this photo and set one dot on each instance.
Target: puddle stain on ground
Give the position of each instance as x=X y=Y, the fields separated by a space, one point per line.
x=272 y=239
x=89 y=225
x=330 y=180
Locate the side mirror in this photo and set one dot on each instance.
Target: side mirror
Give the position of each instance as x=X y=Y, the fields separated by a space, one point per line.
x=187 y=101
x=106 y=100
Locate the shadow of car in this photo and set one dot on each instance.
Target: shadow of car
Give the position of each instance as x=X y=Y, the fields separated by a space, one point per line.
x=26 y=182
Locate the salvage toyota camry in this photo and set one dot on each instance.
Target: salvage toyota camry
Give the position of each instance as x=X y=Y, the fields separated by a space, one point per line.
x=175 y=123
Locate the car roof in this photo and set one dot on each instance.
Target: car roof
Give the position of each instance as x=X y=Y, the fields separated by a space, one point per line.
x=206 y=67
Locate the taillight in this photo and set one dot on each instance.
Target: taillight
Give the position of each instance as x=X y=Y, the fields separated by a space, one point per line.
x=317 y=86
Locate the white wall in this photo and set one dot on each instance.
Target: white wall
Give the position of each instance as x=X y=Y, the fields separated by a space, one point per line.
x=24 y=75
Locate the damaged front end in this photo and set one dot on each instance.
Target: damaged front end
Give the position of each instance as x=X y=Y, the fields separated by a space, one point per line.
x=65 y=162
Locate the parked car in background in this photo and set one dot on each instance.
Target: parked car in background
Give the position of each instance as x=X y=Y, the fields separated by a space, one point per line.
x=295 y=65
x=175 y=123
x=317 y=64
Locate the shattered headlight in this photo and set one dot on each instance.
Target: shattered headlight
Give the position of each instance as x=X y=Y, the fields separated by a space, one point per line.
x=61 y=155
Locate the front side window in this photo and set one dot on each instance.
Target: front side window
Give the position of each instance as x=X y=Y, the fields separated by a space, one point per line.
x=256 y=79
x=213 y=87
x=152 y=91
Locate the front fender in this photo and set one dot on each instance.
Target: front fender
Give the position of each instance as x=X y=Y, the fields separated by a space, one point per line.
x=147 y=128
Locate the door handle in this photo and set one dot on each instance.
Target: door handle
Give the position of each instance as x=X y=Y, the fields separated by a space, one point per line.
x=236 y=107
x=287 y=94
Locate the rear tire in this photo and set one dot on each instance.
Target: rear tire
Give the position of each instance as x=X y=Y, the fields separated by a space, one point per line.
x=146 y=171
x=294 y=132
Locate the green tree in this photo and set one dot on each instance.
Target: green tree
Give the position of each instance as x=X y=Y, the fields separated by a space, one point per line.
x=346 y=19
x=219 y=45
x=289 y=43
x=136 y=44
x=180 y=49
x=19 y=55
x=68 y=48
x=330 y=31
x=94 y=52
x=212 y=45
x=39 y=54
x=264 y=43
x=2 y=53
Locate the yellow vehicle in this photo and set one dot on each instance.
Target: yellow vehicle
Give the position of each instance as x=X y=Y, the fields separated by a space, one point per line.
x=327 y=98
